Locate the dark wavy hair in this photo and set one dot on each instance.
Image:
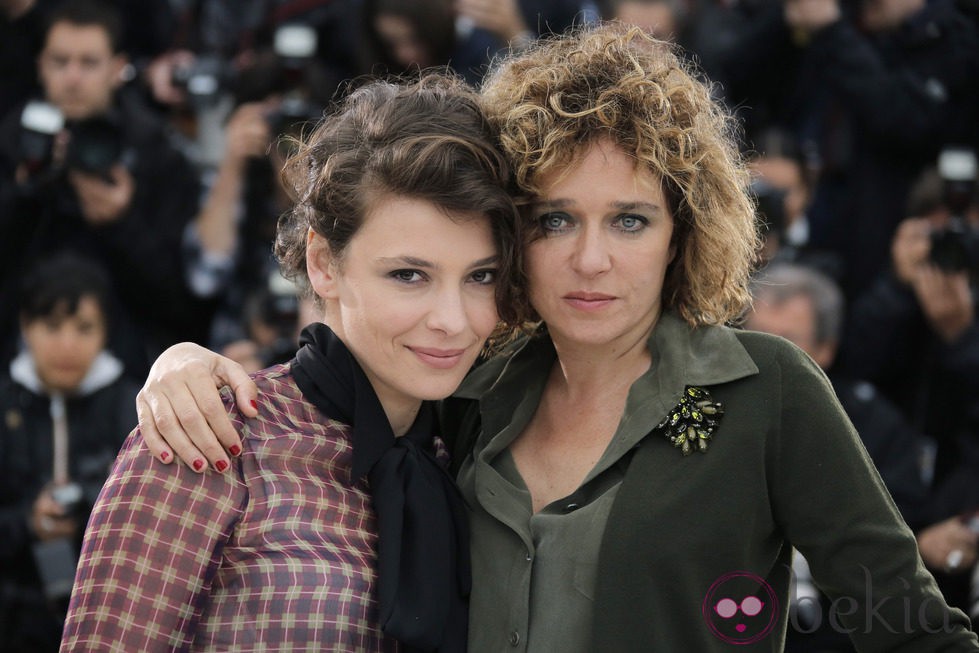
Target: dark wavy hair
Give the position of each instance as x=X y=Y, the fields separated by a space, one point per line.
x=425 y=140
x=53 y=288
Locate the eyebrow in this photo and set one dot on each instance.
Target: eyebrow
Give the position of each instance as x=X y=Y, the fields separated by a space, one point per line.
x=633 y=206
x=619 y=206
x=412 y=261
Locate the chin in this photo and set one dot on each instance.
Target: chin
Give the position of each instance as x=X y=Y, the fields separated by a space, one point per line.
x=63 y=385
x=436 y=389
x=587 y=334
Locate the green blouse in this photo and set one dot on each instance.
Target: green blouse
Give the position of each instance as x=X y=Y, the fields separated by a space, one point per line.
x=641 y=556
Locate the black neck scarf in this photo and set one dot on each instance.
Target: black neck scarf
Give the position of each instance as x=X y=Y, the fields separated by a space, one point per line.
x=423 y=575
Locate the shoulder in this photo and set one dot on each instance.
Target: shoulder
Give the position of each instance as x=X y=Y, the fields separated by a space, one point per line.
x=768 y=350
x=275 y=382
x=787 y=379
x=282 y=409
x=278 y=393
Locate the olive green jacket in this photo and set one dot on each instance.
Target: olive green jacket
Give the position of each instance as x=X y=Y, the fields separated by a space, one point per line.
x=784 y=467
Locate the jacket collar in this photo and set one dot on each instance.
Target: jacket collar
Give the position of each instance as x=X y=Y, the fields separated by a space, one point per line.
x=682 y=355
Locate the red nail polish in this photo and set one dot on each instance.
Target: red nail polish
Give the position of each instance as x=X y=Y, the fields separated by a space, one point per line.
x=220 y=465
x=198 y=465
x=235 y=450
x=165 y=456
x=254 y=404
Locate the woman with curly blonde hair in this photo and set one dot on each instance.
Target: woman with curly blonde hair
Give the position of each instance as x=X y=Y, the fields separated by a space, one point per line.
x=546 y=106
x=637 y=471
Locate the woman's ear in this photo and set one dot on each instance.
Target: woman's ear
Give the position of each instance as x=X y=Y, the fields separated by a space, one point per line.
x=321 y=266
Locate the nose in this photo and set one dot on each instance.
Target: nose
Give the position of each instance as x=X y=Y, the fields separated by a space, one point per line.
x=448 y=312
x=65 y=341
x=73 y=72
x=591 y=254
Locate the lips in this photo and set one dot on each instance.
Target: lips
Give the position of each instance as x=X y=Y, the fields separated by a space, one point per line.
x=441 y=359
x=588 y=301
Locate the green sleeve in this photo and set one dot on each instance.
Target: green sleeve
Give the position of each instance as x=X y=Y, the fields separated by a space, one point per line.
x=833 y=507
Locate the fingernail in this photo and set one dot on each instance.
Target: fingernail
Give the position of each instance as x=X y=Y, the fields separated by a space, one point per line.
x=220 y=465
x=235 y=450
x=254 y=404
x=164 y=456
x=198 y=465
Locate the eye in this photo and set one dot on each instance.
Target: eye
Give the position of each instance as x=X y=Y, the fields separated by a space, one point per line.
x=485 y=277
x=407 y=276
x=554 y=222
x=726 y=608
x=631 y=222
x=751 y=606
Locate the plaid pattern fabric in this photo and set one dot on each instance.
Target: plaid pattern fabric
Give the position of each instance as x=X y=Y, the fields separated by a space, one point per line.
x=277 y=554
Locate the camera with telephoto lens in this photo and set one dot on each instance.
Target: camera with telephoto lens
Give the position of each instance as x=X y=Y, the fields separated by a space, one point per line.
x=70 y=497
x=57 y=558
x=203 y=79
x=955 y=247
x=294 y=47
x=96 y=145
x=276 y=307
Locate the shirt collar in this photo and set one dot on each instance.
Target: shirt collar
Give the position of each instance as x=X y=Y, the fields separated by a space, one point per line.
x=682 y=355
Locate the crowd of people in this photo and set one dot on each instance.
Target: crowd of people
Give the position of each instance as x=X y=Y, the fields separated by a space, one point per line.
x=141 y=146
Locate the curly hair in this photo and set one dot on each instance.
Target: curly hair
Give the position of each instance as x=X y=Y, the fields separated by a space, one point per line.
x=425 y=140
x=614 y=82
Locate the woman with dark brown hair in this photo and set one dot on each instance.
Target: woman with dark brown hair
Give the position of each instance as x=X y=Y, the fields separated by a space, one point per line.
x=336 y=526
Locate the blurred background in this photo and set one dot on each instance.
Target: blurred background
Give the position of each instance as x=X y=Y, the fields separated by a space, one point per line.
x=140 y=143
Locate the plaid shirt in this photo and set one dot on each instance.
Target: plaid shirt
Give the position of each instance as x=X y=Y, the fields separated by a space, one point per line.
x=277 y=554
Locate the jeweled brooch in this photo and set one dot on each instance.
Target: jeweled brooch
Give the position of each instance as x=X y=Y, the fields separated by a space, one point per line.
x=690 y=424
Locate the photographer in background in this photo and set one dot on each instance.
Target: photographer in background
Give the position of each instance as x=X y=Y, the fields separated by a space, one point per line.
x=148 y=27
x=914 y=334
x=873 y=89
x=227 y=248
x=107 y=183
x=66 y=408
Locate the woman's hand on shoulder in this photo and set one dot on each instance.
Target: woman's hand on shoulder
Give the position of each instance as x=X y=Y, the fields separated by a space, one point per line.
x=180 y=409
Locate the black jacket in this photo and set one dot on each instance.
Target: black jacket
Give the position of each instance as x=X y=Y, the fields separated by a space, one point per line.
x=889 y=342
x=97 y=425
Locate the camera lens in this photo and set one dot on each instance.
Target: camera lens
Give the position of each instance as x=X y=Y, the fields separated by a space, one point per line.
x=96 y=145
x=68 y=496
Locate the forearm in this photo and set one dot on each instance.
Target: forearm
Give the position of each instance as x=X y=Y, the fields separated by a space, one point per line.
x=834 y=508
x=217 y=223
